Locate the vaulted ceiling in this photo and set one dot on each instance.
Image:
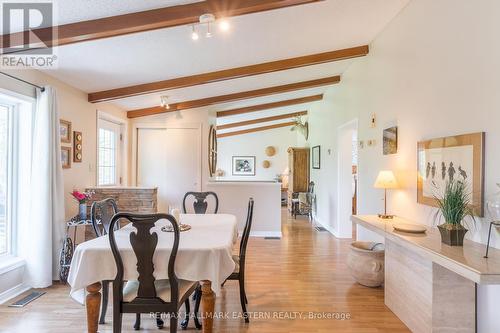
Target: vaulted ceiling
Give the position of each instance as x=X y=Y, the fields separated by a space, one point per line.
x=169 y=53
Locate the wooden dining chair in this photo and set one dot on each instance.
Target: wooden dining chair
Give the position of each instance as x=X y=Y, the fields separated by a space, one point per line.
x=147 y=295
x=200 y=206
x=239 y=260
x=101 y=213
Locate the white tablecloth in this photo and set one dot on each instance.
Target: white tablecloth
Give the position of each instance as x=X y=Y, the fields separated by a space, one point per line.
x=205 y=253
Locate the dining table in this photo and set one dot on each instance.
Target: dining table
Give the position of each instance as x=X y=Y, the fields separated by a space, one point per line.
x=204 y=255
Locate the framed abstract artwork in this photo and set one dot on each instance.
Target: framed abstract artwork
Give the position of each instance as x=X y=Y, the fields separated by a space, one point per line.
x=451 y=158
x=243 y=165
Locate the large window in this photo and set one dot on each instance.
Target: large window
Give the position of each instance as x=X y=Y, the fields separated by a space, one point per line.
x=16 y=129
x=109 y=148
x=5 y=224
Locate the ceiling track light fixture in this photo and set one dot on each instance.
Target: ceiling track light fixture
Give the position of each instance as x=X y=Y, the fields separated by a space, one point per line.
x=208 y=20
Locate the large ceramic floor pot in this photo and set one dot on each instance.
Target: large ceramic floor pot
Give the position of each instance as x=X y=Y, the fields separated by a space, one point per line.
x=366 y=262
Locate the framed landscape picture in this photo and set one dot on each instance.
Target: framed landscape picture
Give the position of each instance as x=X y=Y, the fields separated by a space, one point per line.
x=316 y=157
x=243 y=165
x=65 y=131
x=66 y=157
x=458 y=157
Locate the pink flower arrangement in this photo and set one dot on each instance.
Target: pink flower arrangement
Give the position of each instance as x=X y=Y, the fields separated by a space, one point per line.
x=82 y=197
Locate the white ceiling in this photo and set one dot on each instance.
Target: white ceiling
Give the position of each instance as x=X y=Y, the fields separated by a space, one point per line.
x=170 y=53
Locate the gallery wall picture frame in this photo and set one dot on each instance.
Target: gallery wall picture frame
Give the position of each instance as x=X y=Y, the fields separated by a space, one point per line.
x=390 y=140
x=66 y=157
x=459 y=157
x=243 y=165
x=77 y=147
x=65 y=131
x=316 y=157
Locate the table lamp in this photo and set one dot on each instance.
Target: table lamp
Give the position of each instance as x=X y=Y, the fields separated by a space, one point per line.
x=386 y=180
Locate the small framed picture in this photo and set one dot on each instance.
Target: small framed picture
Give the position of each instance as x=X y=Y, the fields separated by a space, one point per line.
x=65 y=131
x=316 y=157
x=66 y=157
x=243 y=165
x=391 y=140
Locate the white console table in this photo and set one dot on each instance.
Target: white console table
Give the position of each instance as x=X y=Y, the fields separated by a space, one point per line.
x=430 y=286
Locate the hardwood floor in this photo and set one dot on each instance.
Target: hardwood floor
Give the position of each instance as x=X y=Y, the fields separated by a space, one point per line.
x=303 y=272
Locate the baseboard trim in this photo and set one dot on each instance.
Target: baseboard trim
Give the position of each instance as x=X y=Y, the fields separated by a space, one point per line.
x=262 y=234
x=13 y=292
x=327 y=227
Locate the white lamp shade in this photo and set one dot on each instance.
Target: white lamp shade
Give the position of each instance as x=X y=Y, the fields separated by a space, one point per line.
x=386 y=179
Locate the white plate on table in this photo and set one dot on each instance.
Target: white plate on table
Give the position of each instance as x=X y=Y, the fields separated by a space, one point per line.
x=411 y=228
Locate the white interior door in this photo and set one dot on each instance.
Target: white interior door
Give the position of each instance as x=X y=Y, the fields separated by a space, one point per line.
x=169 y=158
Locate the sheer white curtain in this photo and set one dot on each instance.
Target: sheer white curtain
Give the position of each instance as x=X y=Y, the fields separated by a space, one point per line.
x=41 y=235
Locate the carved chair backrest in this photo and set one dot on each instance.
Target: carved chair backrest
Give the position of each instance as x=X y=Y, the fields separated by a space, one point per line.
x=144 y=244
x=200 y=204
x=246 y=233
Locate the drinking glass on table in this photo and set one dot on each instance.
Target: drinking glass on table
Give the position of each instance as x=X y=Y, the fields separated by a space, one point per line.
x=176 y=213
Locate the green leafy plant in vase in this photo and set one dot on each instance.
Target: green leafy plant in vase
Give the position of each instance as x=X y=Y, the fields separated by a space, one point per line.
x=455 y=208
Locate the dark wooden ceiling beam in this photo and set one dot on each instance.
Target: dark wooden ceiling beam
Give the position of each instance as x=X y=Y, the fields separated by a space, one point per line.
x=234 y=97
x=268 y=106
x=256 y=129
x=159 y=18
x=262 y=120
x=228 y=74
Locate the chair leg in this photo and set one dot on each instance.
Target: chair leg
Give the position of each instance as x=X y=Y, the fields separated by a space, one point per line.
x=159 y=322
x=197 y=323
x=117 y=320
x=243 y=297
x=246 y=299
x=185 y=322
x=173 y=322
x=104 y=304
x=137 y=325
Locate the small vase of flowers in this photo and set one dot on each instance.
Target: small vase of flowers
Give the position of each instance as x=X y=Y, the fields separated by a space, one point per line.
x=82 y=198
x=455 y=207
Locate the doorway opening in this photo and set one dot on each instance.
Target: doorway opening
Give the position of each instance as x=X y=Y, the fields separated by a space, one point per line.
x=347 y=196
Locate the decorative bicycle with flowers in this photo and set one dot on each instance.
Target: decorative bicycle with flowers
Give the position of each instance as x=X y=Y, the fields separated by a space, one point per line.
x=69 y=244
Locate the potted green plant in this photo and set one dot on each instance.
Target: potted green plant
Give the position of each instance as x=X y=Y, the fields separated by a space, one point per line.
x=454 y=207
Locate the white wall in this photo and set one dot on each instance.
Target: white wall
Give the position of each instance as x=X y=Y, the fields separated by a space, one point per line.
x=254 y=144
x=233 y=199
x=434 y=72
